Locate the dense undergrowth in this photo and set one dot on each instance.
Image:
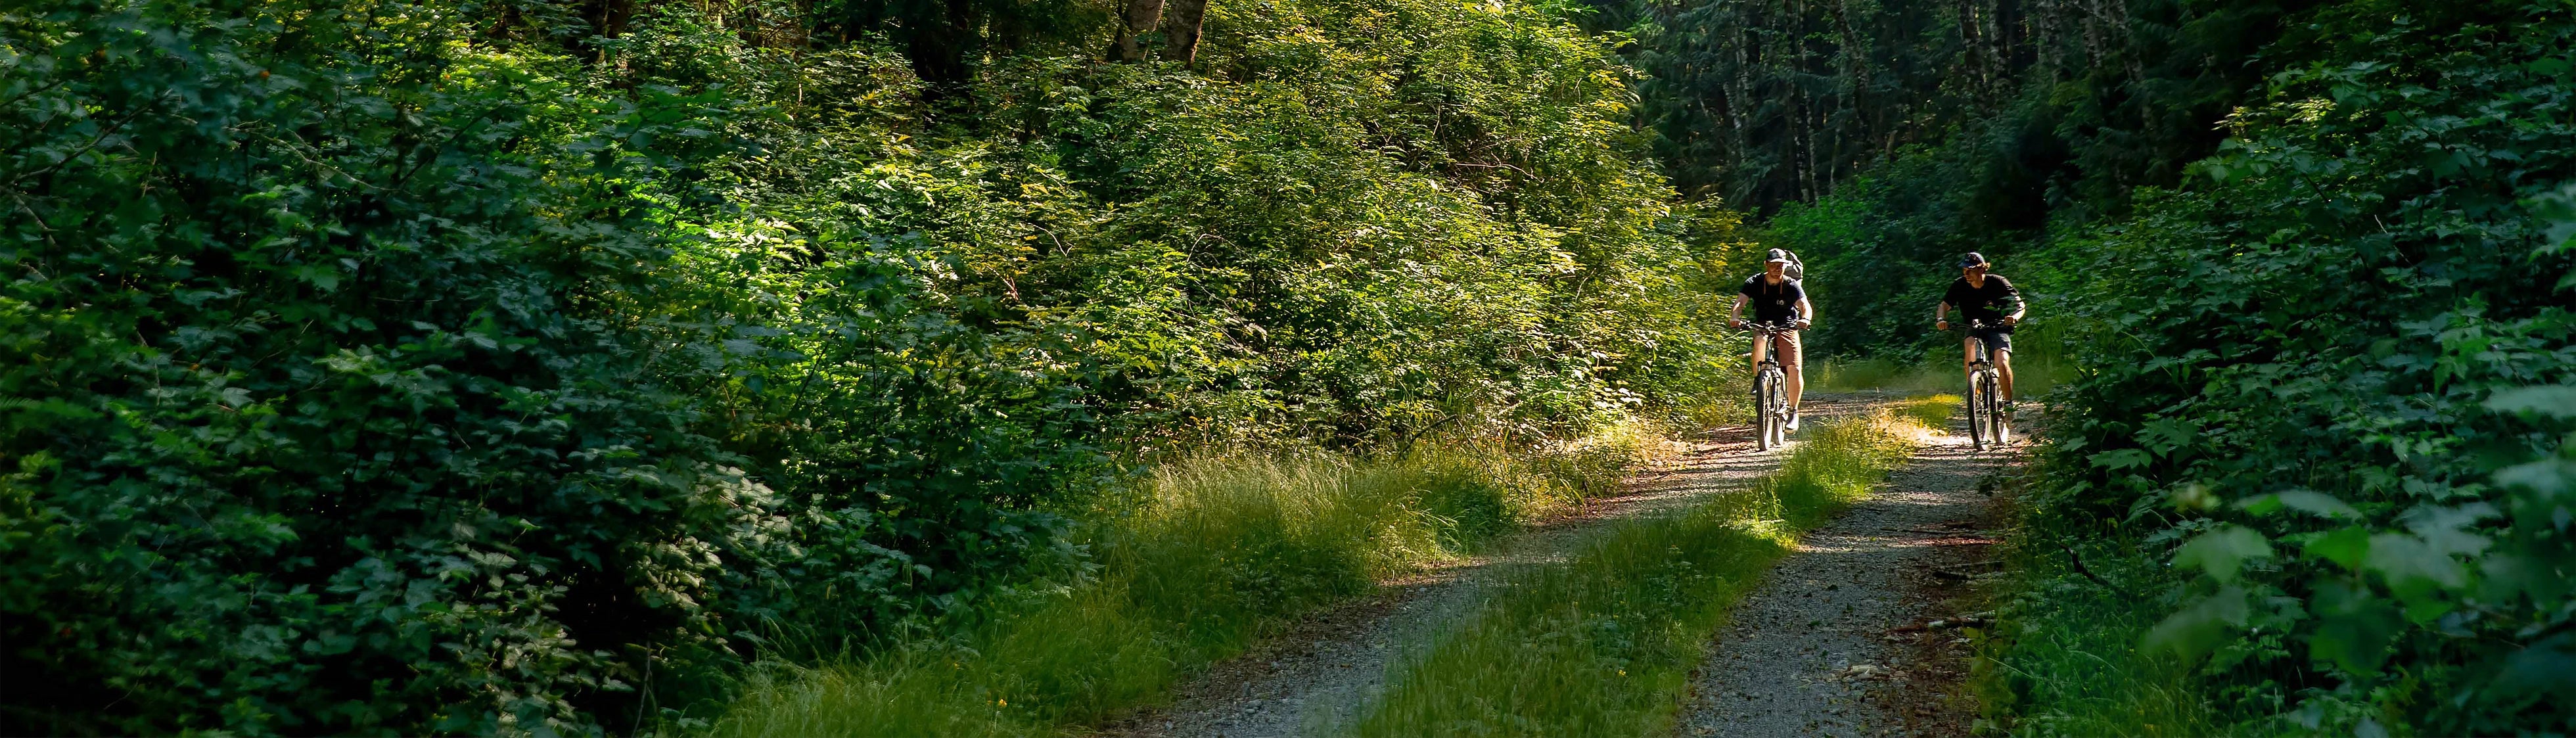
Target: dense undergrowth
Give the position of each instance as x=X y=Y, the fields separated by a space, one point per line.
x=2310 y=265
x=2332 y=390
x=1603 y=643
x=461 y=367
x=1201 y=559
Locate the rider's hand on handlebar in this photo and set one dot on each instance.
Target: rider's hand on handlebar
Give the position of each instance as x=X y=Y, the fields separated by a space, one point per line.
x=1735 y=322
x=2010 y=320
x=1803 y=323
x=1941 y=325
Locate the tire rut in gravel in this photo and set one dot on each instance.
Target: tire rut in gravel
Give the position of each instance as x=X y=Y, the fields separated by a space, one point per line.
x=1321 y=671
x=1809 y=652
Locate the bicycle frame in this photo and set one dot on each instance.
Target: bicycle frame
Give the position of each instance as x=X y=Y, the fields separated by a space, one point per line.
x=1770 y=401
x=1986 y=422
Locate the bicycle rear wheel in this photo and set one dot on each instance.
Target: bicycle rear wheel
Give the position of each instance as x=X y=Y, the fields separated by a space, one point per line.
x=1994 y=393
x=2003 y=421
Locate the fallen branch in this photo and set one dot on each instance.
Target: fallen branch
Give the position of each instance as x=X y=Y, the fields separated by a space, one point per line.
x=2080 y=568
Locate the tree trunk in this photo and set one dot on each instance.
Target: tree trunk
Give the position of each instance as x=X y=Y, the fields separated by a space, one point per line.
x=2048 y=35
x=1141 y=15
x=1181 y=29
x=938 y=49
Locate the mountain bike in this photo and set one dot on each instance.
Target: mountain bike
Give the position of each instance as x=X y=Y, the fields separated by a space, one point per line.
x=1771 y=411
x=1987 y=423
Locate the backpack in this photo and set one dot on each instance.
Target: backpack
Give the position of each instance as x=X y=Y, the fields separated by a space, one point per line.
x=1796 y=269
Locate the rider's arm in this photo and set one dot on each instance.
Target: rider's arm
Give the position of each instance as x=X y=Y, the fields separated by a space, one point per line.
x=1737 y=313
x=1806 y=309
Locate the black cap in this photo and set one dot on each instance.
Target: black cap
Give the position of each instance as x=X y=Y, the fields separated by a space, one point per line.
x=1776 y=255
x=1972 y=259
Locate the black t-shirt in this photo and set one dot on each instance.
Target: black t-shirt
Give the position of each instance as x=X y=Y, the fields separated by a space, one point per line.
x=1989 y=303
x=1773 y=303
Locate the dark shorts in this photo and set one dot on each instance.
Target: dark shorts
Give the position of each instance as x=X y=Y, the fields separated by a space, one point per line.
x=1996 y=339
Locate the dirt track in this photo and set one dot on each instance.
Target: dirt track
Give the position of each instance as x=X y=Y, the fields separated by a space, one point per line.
x=1831 y=644
x=1319 y=673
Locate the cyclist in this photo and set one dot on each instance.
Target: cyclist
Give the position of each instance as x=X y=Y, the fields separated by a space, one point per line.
x=1781 y=299
x=1980 y=296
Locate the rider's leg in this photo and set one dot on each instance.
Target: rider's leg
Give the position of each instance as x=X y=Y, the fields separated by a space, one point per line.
x=1793 y=358
x=2003 y=368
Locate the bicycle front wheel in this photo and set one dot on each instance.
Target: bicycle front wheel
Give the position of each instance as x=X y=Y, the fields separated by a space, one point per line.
x=1977 y=411
x=1762 y=382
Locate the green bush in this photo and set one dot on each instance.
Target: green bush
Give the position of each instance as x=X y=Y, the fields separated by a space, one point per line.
x=2332 y=387
x=314 y=422
x=452 y=367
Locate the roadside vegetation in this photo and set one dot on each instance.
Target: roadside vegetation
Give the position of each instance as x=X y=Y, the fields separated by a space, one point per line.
x=1603 y=642
x=431 y=367
x=1189 y=567
x=2309 y=265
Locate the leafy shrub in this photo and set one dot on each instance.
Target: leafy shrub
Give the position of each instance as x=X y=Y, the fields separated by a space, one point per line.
x=462 y=367
x=2332 y=384
x=314 y=420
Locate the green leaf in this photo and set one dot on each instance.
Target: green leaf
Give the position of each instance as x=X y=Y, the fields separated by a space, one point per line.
x=2303 y=500
x=2413 y=568
x=2344 y=546
x=2222 y=551
x=2193 y=631
x=2354 y=627
x=2166 y=435
x=2554 y=400
x=2444 y=528
x=2550 y=478
x=2127 y=458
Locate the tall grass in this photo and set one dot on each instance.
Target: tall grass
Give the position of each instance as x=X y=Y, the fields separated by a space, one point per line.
x=2066 y=660
x=2071 y=664
x=1602 y=644
x=1929 y=411
x=1195 y=563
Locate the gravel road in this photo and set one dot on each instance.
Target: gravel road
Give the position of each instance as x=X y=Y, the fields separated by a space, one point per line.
x=1318 y=673
x=1814 y=651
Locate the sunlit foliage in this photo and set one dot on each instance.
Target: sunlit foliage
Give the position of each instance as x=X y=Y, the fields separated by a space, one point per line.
x=463 y=367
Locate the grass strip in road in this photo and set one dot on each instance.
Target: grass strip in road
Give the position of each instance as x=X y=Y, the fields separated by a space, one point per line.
x=1195 y=564
x=1604 y=643
x=1931 y=411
